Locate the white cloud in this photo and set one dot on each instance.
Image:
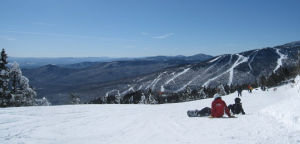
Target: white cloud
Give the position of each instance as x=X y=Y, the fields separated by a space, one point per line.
x=164 y=36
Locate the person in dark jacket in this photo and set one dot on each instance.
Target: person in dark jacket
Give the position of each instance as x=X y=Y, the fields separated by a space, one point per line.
x=239 y=91
x=237 y=107
x=218 y=107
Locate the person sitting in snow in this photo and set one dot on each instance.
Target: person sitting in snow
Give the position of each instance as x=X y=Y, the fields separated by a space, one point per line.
x=218 y=107
x=236 y=108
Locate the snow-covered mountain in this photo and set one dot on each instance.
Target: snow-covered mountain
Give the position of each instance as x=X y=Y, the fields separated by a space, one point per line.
x=56 y=82
x=272 y=117
x=228 y=69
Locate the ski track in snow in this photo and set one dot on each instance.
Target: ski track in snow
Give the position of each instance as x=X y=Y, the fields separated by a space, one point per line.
x=279 y=60
x=127 y=91
x=141 y=86
x=200 y=75
x=251 y=60
x=157 y=124
x=162 y=89
x=213 y=60
x=241 y=59
x=154 y=82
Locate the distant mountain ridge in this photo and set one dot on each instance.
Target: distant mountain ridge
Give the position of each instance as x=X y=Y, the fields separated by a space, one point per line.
x=51 y=80
x=66 y=61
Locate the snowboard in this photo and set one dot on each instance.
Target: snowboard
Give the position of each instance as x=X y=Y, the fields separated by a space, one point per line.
x=221 y=117
x=195 y=113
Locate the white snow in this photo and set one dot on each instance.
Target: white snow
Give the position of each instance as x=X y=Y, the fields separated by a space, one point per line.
x=279 y=60
x=272 y=117
x=213 y=60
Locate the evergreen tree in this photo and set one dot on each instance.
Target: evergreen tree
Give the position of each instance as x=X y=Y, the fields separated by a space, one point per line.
x=15 y=75
x=118 y=98
x=143 y=99
x=152 y=99
x=28 y=94
x=221 y=90
x=74 y=99
x=42 y=102
x=4 y=81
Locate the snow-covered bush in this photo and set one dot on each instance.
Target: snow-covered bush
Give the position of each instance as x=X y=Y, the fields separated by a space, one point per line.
x=221 y=90
x=75 y=99
x=42 y=102
x=143 y=99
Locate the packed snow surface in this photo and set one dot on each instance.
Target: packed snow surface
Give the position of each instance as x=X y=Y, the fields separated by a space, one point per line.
x=272 y=117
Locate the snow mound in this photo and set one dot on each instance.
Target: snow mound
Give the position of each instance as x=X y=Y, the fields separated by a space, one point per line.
x=287 y=111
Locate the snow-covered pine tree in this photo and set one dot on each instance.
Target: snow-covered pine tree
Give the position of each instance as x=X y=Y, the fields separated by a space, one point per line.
x=15 y=75
x=4 y=81
x=202 y=94
x=74 y=99
x=42 y=102
x=152 y=99
x=28 y=94
x=143 y=99
x=118 y=97
x=221 y=90
x=22 y=93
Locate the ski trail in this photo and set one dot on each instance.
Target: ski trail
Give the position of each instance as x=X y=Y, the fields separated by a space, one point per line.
x=154 y=82
x=125 y=92
x=279 y=60
x=106 y=94
x=211 y=66
x=140 y=87
x=240 y=60
x=251 y=60
x=180 y=89
x=213 y=60
x=177 y=75
x=174 y=77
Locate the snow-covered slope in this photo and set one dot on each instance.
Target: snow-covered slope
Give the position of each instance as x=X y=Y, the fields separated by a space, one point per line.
x=272 y=117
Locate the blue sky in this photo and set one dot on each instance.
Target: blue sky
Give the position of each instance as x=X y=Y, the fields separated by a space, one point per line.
x=136 y=28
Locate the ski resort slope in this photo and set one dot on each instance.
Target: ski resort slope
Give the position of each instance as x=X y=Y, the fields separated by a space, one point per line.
x=272 y=117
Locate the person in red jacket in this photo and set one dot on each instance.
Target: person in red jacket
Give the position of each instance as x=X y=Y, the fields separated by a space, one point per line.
x=218 y=107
